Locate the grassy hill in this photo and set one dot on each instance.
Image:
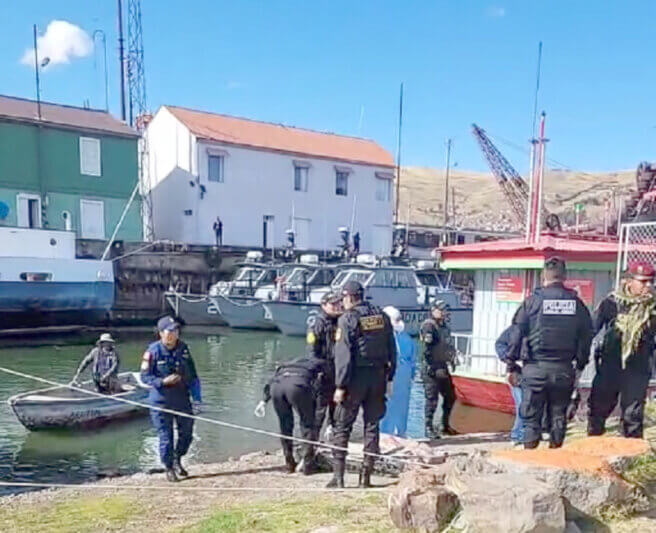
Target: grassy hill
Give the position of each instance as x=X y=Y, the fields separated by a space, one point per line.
x=480 y=203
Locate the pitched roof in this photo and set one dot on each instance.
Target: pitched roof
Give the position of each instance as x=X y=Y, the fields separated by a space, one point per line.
x=25 y=110
x=278 y=137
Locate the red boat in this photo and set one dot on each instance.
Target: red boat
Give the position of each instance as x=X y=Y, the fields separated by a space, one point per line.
x=483 y=391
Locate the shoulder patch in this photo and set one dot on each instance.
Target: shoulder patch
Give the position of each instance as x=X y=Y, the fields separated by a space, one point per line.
x=338 y=334
x=311 y=337
x=372 y=323
x=559 y=307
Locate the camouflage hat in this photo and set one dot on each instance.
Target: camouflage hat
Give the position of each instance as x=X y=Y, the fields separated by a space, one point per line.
x=330 y=297
x=440 y=304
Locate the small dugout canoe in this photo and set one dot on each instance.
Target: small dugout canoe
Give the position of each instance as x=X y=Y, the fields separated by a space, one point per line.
x=64 y=408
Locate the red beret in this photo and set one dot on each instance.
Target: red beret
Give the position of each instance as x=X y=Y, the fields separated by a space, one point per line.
x=641 y=270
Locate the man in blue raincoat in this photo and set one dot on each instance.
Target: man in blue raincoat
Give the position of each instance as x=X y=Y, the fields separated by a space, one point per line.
x=168 y=368
x=395 y=421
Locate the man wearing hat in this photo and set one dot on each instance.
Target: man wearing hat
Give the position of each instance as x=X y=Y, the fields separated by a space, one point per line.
x=320 y=340
x=439 y=353
x=168 y=368
x=105 y=361
x=551 y=336
x=365 y=361
x=625 y=322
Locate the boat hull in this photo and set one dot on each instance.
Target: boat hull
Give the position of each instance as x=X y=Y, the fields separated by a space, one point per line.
x=50 y=409
x=195 y=309
x=294 y=318
x=483 y=391
x=246 y=313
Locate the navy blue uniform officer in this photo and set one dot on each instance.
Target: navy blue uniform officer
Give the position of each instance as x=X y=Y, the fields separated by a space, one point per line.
x=168 y=368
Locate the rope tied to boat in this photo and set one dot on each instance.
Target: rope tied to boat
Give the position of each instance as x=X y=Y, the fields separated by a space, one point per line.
x=229 y=425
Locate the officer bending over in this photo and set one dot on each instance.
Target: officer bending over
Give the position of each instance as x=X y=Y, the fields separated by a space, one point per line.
x=321 y=344
x=558 y=328
x=105 y=361
x=304 y=386
x=167 y=366
x=625 y=354
x=365 y=361
x=439 y=353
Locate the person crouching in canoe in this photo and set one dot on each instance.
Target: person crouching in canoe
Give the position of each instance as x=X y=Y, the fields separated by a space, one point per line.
x=105 y=361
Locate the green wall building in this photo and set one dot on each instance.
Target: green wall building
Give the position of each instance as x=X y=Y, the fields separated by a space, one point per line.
x=67 y=168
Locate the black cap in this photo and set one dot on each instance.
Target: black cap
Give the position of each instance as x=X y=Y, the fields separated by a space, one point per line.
x=440 y=304
x=330 y=297
x=167 y=324
x=352 y=288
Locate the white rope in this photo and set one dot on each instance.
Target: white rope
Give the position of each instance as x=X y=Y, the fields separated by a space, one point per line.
x=178 y=487
x=218 y=422
x=186 y=298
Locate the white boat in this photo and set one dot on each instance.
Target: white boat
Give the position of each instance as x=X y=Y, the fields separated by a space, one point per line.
x=384 y=285
x=64 y=408
x=42 y=283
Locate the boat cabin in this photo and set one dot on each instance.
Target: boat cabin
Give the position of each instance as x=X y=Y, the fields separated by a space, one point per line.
x=505 y=272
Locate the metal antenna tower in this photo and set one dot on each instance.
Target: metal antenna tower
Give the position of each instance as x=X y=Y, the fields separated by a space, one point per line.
x=138 y=110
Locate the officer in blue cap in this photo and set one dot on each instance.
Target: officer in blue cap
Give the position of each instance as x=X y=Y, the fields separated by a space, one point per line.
x=168 y=368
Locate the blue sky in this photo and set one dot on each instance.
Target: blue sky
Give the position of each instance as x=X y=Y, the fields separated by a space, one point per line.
x=318 y=64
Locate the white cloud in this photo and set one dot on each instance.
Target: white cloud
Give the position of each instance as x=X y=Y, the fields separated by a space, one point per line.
x=496 y=11
x=61 y=43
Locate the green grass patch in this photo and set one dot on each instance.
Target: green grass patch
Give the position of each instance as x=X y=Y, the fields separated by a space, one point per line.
x=642 y=470
x=86 y=513
x=352 y=513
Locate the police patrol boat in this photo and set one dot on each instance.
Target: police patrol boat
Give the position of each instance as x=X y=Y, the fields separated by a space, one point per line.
x=43 y=283
x=252 y=280
x=295 y=282
x=64 y=408
x=384 y=284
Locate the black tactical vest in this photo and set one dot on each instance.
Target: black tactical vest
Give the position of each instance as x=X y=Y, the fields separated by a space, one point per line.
x=553 y=333
x=372 y=336
x=437 y=354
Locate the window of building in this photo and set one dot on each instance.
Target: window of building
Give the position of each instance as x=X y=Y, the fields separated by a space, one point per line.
x=89 y=156
x=301 y=178
x=215 y=168
x=188 y=212
x=383 y=189
x=341 y=183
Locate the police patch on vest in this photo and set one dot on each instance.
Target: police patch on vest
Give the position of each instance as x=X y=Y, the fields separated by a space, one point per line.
x=372 y=323
x=311 y=338
x=559 y=307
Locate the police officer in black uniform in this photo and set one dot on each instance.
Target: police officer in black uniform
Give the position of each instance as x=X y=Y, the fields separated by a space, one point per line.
x=558 y=328
x=320 y=344
x=365 y=361
x=439 y=353
x=626 y=378
x=300 y=385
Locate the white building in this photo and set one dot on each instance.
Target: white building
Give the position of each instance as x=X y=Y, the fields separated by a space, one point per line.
x=262 y=179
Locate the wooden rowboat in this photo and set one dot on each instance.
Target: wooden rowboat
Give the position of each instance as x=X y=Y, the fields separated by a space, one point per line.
x=64 y=408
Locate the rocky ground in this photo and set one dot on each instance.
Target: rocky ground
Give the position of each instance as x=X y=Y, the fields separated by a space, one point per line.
x=480 y=472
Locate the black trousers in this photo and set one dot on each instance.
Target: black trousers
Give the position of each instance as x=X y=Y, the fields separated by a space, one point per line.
x=438 y=382
x=629 y=385
x=367 y=390
x=550 y=385
x=289 y=396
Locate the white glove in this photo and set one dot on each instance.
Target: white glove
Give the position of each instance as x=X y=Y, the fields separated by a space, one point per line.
x=197 y=408
x=260 y=410
x=390 y=389
x=328 y=434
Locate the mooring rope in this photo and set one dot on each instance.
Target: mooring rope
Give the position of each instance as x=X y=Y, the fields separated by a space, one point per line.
x=177 y=487
x=230 y=425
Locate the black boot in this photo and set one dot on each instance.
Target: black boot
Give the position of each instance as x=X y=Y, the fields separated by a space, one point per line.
x=290 y=463
x=448 y=430
x=431 y=433
x=337 y=482
x=309 y=466
x=179 y=469
x=170 y=475
x=364 y=481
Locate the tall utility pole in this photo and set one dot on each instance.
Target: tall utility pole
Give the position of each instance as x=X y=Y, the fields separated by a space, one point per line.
x=121 y=57
x=398 y=157
x=446 y=183
x=104 y=41
x=36 y=69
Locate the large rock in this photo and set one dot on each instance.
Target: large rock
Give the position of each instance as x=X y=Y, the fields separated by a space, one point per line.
x=420 y=501
x=508 y=503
